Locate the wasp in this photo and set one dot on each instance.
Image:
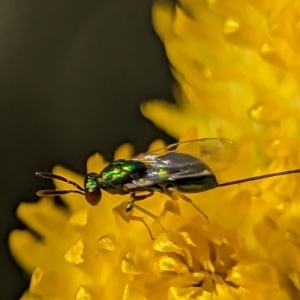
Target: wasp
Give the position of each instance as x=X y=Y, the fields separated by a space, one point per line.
x=178 y=169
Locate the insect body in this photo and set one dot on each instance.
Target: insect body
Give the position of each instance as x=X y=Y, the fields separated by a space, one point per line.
x=186 y=167
x=170 y=170
x=179 y=167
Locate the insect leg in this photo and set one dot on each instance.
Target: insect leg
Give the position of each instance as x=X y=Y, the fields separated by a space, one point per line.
x=140 y=219
x=143 y=197
x=170 y=191
x=149 y=214
x=127 y=217
x=133 y=198
x=131 y=204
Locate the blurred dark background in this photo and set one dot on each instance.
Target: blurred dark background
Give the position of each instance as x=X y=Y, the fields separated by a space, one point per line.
x=73 y=74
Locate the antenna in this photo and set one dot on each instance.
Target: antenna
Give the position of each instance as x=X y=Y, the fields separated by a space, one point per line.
x=54 y=176
x=80 y=190
x=56 y=192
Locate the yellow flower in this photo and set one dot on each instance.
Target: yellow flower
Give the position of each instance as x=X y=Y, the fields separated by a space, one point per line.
x=237 y=71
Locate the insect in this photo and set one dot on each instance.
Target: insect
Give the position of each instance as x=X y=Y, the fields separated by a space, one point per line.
x=176 y=170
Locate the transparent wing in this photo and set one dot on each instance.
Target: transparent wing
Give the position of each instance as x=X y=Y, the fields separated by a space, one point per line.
x=217 y=153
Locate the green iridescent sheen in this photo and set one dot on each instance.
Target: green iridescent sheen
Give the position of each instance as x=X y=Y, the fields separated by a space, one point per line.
x=159 y=172
x=90 y=182
x=115 y=175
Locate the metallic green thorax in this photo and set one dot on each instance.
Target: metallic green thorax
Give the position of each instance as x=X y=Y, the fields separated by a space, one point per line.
x=116 y=174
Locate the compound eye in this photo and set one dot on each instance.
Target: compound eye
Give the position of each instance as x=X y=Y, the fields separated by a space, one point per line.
x=91 y=189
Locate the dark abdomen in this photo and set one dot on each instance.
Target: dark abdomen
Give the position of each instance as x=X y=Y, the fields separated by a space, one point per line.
x=186 y=173
x=195 y=185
